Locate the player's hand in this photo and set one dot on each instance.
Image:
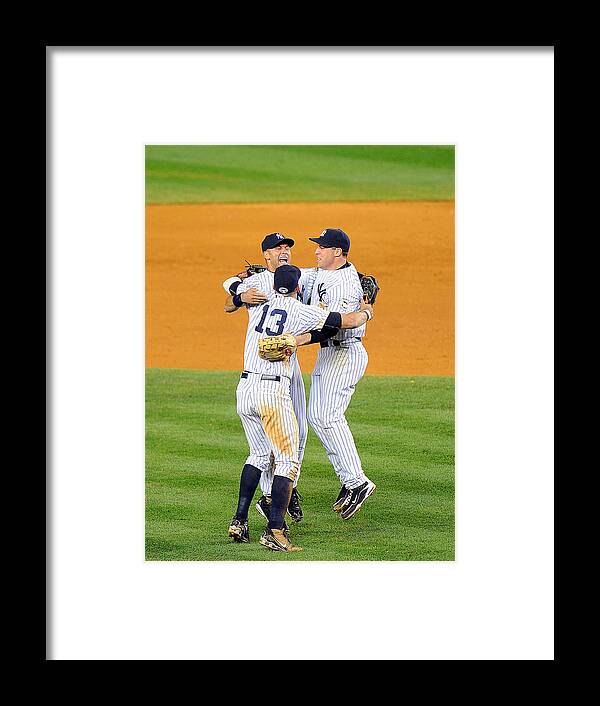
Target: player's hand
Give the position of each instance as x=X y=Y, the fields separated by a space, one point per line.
x=253 y=296
x=366 y=307
x=302 y=340
x=250 y=270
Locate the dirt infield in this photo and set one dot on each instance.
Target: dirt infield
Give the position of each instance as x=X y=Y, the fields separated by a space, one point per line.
x=408 y=246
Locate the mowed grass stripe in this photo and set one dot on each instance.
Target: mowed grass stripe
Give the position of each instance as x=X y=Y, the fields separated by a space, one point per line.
x=195 y=449
x=297 y=173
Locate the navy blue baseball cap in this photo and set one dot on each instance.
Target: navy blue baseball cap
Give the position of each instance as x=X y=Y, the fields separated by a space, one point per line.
x=333 y=238
x=274 y=239
x=286 y=278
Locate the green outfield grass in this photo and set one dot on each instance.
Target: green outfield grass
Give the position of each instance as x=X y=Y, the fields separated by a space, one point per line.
x=195 y=450
x=256 y=173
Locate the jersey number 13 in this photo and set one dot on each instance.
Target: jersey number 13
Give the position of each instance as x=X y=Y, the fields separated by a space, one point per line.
x=280 y=317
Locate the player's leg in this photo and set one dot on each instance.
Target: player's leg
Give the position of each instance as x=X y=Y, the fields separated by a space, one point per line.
x=247 y=399
x=338 y=383
x=256 y=463
x=281 y=429
x=280 y=426
x=335 y=386
x=266 y=479
x=340 y=389
x=316 y=400
x=298 y=394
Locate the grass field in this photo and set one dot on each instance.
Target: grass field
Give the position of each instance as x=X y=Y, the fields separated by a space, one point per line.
x=288 y=173
x=195 y=449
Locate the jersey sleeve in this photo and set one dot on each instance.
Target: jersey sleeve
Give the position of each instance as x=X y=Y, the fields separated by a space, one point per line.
x=311 y=318
x=244 y=286
x=252 y=281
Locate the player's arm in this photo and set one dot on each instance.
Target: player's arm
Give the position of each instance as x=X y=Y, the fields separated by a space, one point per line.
x=306 y=339
x=239 y=294
x=354 y=319
x=229 y=305
x=323 y=326
x=334 y=322
x=303 y=339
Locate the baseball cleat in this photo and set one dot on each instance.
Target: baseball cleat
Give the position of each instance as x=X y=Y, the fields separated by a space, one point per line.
x=264 y=506
x=277 y=540
x=294 y=510
x=239 y=530
x=357 y=499
x=342 y=499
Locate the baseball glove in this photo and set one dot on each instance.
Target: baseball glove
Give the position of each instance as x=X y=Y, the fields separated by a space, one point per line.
x=250 y=270
x=277 y=347
x=370 y=288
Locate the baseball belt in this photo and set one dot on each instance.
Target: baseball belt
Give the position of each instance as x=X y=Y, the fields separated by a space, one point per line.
x=275 y=378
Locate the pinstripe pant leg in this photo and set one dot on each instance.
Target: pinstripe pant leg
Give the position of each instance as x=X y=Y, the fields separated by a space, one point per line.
x=326 y=413
x=298 y=394
x=255 y=434
x=315 y=401
x=266 y=481
x=280 y=425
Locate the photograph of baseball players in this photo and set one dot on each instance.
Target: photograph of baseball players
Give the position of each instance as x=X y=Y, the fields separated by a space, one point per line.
x=334 y=284
x=264 y=398
x=223 y=479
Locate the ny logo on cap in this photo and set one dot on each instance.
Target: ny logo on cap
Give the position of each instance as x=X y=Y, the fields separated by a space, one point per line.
x=279 y=236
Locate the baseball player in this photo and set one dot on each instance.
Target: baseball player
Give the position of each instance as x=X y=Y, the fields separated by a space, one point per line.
x=341 y=363
x=264 y=401
x=255 y=290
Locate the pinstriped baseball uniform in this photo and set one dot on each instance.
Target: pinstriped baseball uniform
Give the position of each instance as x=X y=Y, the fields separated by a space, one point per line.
x=264 y=401
x=263 y=281
x=338 y=369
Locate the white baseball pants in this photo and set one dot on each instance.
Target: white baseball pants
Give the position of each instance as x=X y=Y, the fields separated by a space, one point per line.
x=333 y=381
x=267 y=415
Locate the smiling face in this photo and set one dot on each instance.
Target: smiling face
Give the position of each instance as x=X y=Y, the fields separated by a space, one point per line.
x=280 y=255
x=329 y=258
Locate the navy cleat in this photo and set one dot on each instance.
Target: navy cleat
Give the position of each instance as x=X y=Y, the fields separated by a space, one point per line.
x=264 y=506
x=294 y=510
x=342 y=499
x=238 y=529
x=357 y=499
